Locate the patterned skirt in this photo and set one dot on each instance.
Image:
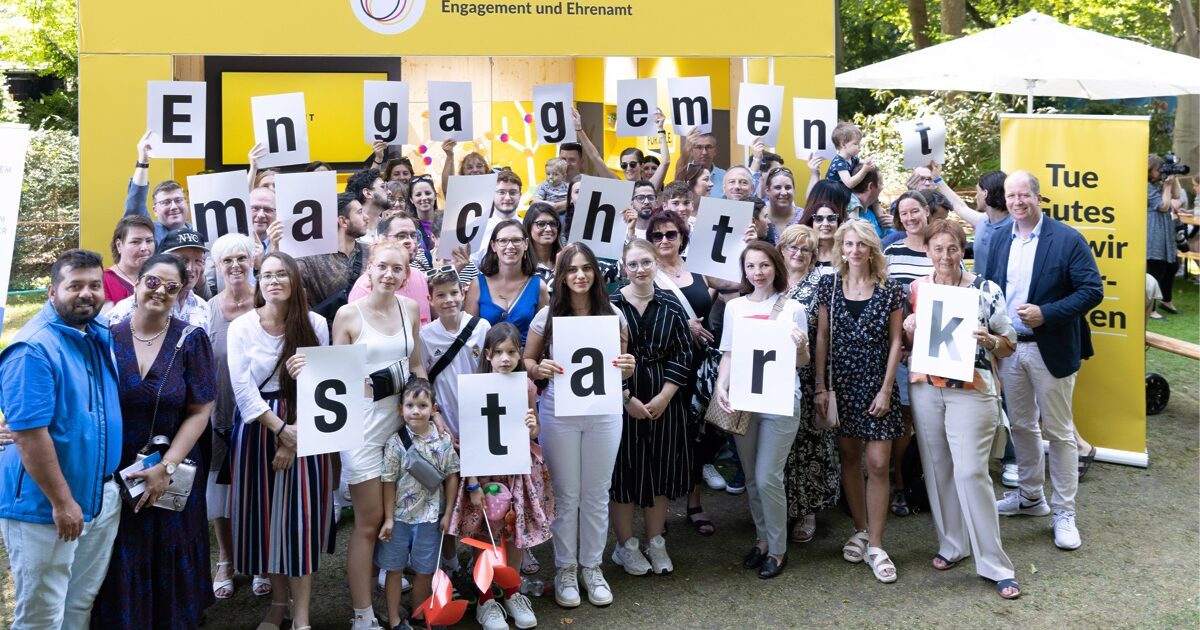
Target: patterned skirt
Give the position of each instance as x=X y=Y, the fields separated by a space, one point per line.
x=533 y=507
x=282 y=519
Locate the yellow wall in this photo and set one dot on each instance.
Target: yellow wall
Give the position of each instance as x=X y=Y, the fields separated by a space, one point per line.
x=112 y=116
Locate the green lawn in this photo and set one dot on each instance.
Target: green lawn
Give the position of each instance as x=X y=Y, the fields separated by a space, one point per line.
x=20 y=309
x=1185 y=326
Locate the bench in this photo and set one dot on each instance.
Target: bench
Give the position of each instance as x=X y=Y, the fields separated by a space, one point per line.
x=1158 y=390
x=1173 y=345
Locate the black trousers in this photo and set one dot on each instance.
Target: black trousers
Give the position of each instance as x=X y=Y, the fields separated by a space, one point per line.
x=1164 y=273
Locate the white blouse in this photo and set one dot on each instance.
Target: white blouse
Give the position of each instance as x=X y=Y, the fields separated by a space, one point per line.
x=253 y=354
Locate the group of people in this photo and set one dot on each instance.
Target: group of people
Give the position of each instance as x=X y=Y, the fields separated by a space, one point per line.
x=180 y=355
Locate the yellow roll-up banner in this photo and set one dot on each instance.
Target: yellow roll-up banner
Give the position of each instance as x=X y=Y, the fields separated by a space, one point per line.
x=1093 y=175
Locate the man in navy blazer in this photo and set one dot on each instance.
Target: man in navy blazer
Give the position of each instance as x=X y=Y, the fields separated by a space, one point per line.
x=1050 y=282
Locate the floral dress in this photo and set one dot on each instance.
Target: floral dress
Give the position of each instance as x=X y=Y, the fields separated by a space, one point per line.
x=812 y=475
x=857 y=359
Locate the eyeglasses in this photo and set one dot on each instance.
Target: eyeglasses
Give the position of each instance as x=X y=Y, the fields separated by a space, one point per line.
x=546 y=225
x=825 y=218
x=230 y=261
x=154 y=282
x=705 y=147
x=505 y=243
x=638 y=265
x=172 y=201
x=278 y=276
x=629 y=165
x=508 y=193
x=643 y=198
x=792 y=249
x=262 y=208
x=658 y=236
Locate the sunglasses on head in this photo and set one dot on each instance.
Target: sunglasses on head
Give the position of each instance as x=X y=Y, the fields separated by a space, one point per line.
x=421 y=178
x=443 y=269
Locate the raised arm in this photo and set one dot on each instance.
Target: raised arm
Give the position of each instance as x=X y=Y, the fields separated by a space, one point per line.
x=974 y=217
x=664 y=163
x=591 y=156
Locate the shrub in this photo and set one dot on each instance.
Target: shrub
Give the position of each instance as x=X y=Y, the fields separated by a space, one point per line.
x=49 y=214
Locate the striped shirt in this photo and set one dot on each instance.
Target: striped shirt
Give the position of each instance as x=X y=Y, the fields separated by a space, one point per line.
x=906 y=264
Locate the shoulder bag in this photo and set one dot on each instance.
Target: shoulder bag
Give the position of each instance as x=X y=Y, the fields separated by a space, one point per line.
x=738 y=421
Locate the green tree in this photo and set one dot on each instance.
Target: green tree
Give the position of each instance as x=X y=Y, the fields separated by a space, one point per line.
x=10 y=110
x=43 y=35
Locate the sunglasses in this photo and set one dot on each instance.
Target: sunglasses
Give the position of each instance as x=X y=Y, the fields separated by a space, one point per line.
x=443 y=269
x=671 y=236
x=629 y=165
x=154 y=282
x=825 y=218
x=421 y=178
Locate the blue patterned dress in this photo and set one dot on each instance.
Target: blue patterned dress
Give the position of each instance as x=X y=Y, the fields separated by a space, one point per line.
x=159 y=573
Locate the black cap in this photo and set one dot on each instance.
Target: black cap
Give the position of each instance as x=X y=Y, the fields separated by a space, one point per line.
x=179 y=239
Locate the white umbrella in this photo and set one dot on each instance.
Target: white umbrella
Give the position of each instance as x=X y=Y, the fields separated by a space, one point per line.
x=1037 y=56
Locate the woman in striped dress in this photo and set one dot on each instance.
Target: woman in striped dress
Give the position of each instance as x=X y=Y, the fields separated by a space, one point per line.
x=282 y=508
x=907 y=261
x=653 y=459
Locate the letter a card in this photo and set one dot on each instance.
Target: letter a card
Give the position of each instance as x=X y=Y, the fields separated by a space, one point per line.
x=586 y=346
x=763 y=368
x=330 y=399
x=944 y=343
x=493 y=437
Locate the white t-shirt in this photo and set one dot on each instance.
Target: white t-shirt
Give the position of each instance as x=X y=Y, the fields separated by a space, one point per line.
x=538 y=325
x=743 y=307
x=435 y=341
x=253 y=354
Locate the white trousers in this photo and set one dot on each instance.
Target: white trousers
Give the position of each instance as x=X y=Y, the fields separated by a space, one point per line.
x=580 y=452
x=1032 y=392
x=955 y=429
x=56 y=581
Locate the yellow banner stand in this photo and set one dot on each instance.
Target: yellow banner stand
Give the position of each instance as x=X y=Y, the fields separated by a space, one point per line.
x=1093 y=175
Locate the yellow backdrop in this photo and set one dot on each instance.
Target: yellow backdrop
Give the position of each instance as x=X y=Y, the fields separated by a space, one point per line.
x=1110 y=392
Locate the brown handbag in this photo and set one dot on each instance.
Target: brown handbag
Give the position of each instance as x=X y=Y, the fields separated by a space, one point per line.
x=738 y=421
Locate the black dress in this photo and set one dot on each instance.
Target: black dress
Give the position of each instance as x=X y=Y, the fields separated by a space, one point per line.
x=812 y=475
x=857 y=357
x=654 y=458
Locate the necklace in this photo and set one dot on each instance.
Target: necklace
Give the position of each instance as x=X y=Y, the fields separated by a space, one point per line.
x=956 y=282
x=641 y=297
x=236 y=303
x=859 y=291
x=677 y=274
x=149 y=341
x=117 y=270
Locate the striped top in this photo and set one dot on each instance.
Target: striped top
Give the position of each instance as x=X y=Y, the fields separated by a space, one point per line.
x=906 y=264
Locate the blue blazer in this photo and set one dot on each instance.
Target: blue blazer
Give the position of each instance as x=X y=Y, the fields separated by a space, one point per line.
x=1066 y=285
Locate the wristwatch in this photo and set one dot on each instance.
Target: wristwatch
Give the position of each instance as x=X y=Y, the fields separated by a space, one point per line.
x=142 y=164
x=170 y=466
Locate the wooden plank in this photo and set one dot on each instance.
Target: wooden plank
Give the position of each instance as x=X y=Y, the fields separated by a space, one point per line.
x=1190 y=219
x=1190 y=255
x=1173 y=345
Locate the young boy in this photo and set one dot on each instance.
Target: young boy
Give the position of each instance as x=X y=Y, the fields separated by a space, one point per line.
x=438 y=336
x=420 y=513
x=554 y=190
x=847 y=139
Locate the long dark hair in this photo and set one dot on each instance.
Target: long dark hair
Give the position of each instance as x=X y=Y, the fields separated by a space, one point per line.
x=496 y=335
x=297 y=329
x=490 y=264
x=537 y=210
x=560 y=298
x=826 y=194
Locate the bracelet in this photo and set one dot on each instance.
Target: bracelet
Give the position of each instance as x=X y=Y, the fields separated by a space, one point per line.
x=472 y=488
x=937 y=180
x=142 y=164
x=282 y=426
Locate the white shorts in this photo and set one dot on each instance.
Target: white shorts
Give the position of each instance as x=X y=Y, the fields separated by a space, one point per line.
x=362 y=464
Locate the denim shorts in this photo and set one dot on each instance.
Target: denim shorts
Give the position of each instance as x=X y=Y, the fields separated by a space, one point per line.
x=902 y=383
x=412 y=546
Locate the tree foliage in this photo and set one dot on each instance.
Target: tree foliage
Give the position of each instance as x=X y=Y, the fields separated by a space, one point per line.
x=49 y=214
x=42 y=35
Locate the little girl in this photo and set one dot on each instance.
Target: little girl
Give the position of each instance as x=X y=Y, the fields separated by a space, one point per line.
x=532 y=498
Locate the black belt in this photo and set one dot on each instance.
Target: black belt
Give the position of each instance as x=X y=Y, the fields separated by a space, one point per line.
x=106 y=479
x=1025 y=338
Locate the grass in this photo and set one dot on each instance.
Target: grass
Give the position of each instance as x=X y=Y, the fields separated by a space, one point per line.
x=1184 y=326
x=20 y=309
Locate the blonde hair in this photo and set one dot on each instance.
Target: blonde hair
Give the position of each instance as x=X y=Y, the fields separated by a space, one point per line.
x=557 y=164
x=639 y=243
x=876 y=262
x=800 y=236
x=385 y=245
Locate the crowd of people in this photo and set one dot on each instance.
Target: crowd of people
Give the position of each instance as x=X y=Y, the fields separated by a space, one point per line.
x=182 y=355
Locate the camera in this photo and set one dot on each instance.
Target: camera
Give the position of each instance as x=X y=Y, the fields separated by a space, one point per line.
x=1171 y=166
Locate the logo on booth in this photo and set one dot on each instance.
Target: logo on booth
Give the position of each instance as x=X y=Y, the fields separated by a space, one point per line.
x=388 y=17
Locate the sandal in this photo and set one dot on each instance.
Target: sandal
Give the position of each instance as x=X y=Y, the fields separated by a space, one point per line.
x=880 y=562
x=946 y=564
x=1085 y=462
x=224 y=588
x=261 y=586
x=703 y=526
x=899 y=503
x=530 y=564
x=1003 y=585
x=854 y=548
x=805 y=528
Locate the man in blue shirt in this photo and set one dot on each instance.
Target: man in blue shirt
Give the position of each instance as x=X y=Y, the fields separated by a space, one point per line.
x=170 y=204
x=59 y=505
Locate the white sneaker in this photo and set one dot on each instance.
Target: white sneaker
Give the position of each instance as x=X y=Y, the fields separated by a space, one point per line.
x=712 y=477
x=598 y=591
x=660 y=562
x=490 y=615
x=405 y=585
x=566 y=586
x=363 y=623
x=1009 y=477
x=521 y=611
x=1066 y=535
x=1013 y=504
x=629 y=556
